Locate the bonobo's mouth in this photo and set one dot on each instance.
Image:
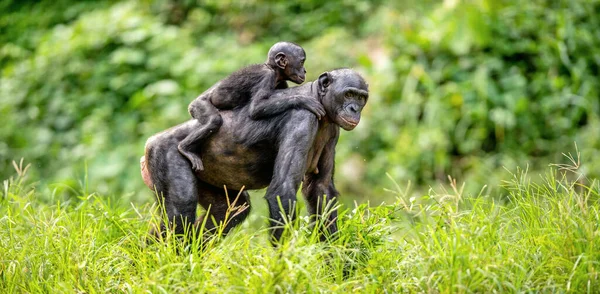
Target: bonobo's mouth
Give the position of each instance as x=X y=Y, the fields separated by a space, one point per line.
x=300 y=79
x=350 y=125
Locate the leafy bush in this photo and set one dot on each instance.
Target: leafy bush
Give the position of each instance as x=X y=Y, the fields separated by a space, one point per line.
x=474 y=85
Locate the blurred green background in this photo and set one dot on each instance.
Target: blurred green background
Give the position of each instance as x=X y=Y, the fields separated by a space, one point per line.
x=461 y=88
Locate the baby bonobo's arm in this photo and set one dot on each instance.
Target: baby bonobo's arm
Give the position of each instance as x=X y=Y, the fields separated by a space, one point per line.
x=268 y=102
x=203 y=110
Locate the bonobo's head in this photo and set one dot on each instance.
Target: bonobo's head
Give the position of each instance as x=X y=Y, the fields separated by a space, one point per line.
x=343 y=93
x=287 y=59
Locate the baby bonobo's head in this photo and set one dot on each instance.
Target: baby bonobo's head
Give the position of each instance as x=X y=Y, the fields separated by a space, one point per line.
x=287 y=59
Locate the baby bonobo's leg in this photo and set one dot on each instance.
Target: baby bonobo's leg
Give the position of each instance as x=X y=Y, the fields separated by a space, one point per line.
x=209 y=122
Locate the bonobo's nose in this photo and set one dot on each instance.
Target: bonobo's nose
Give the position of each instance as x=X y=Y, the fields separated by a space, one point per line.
x=353 y=108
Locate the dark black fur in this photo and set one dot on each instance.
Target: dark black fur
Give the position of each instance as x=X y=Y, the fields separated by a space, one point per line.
x=278 y=152
x=255 y=83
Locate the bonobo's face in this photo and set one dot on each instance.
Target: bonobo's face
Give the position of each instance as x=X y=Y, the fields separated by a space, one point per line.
x=295 y=68
x=345 y=98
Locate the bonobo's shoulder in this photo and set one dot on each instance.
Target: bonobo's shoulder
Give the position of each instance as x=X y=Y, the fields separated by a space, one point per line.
x=305 y=90
x=300 y=115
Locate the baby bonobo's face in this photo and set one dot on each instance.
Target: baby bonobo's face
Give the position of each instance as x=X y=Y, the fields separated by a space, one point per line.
x=294 y=70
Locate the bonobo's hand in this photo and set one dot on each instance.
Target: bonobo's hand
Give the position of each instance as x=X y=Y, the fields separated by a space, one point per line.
x=312 y=104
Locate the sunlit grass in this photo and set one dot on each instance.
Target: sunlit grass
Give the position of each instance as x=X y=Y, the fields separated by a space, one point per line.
x=540 y=235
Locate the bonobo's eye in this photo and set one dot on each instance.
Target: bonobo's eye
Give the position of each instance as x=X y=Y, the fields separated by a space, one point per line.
x=348 y=95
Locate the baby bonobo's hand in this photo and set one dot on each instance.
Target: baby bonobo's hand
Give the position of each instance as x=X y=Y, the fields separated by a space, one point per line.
x=312 y=104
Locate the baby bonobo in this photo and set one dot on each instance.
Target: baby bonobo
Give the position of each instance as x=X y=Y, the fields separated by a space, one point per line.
x=253 y=84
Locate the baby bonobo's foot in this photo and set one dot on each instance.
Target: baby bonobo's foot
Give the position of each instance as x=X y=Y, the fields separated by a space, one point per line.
x=197 y=165
x=194 y=159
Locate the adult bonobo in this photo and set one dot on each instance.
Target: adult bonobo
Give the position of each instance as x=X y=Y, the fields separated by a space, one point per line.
x=278 y=152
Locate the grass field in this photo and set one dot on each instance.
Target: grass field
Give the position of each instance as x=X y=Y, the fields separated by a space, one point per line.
x=541 y=234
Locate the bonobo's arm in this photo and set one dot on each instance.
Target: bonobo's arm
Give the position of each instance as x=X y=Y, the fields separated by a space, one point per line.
x=267 y=103
x=296 y=133
x=319 y=190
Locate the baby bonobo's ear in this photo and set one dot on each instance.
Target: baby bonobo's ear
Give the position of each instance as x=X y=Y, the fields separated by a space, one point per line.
x=325 y=80
x=281 y=60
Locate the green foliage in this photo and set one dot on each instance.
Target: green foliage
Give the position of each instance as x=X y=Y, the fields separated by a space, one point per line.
x=256 y=19
x=473 y=85
x=544 y=237
x=24 y=23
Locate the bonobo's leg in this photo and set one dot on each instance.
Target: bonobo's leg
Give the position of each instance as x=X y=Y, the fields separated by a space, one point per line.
x=320 y=192
x=174 y=182
x=228 y=209
x=321 y=201
x=209 y=120
x=295 y=139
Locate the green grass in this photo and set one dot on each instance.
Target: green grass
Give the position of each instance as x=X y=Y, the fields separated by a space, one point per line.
x=541 y=235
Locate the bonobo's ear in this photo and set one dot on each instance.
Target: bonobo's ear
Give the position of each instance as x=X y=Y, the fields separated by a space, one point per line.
x=325 y=80
x=281 y=60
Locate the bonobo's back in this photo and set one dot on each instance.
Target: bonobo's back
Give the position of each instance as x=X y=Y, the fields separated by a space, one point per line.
x=240 y=85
